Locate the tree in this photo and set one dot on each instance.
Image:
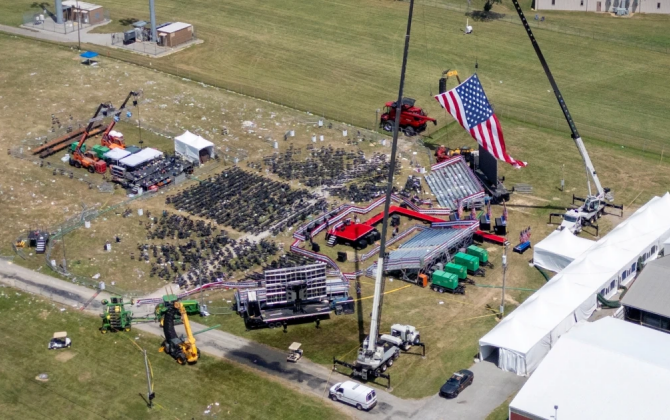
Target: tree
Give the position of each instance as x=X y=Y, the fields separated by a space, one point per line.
x=489 y=5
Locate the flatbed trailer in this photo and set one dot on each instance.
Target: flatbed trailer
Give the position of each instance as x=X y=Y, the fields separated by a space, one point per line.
x=60 y=143
x=278 y=317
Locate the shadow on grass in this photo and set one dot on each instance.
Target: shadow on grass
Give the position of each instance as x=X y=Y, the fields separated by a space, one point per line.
x=482 y=16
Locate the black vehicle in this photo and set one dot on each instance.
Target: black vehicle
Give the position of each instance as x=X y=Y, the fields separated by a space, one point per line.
x=457 y=383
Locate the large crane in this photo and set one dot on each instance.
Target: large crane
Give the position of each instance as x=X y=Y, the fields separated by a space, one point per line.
x=379 y=352
x=594 y=204
x=78 y=158
x=114 y=142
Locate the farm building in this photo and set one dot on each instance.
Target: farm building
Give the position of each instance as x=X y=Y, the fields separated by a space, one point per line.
x=522 y=339
x=646 y=303
x=175 y=34
x=607 y=6
x=91 y=14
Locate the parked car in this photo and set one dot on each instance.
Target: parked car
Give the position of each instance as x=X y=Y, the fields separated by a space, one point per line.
x=457 y=383
x=360 y=396
x=60 y=340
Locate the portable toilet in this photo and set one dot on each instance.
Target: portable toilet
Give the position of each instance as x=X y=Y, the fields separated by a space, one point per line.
x=460 y=271
x=478 y=252
x=469 y=261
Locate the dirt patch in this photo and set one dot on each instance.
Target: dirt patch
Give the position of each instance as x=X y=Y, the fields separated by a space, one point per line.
x=85 y=377
x=64 y=356
x=44 y=315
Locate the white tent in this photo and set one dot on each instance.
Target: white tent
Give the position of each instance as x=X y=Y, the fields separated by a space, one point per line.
x=116 y=155
x=191 y=146
x=524 y=337
x=559 y=249
x=609 y=369
x=143 y=156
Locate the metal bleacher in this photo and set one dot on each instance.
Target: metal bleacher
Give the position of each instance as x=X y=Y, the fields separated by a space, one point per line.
x=453 y=182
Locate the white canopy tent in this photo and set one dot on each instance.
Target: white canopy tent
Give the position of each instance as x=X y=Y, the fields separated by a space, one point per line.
x=559 y=249
x=524 y=337
x=609 y=369
x=143 y=156
x=115 y=155
x=192 y=147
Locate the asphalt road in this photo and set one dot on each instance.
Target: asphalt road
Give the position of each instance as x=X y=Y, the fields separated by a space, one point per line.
x=491 y=386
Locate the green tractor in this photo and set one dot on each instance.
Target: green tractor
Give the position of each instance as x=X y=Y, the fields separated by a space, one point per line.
x=115 y=317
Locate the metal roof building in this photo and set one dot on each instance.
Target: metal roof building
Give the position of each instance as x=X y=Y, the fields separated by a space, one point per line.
x=647 y=302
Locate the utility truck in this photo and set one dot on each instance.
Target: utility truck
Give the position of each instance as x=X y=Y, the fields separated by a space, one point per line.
x=594 y=203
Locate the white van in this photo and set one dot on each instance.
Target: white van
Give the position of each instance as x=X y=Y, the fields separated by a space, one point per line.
x=360 y=396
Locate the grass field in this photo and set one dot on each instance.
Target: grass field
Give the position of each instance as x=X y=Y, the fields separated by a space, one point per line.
x=101 y=376
x=342 y=59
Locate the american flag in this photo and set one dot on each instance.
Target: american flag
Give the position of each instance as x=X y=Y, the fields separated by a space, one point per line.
x=488 y=211
x=468 y=104
x=525 y=235
x=504 y=215
x=473 y=212
x=459 y=213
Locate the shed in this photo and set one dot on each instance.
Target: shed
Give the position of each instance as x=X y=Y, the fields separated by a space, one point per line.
x=175 y=34
x=646 y=302
x=90 y=13
x=193 y=147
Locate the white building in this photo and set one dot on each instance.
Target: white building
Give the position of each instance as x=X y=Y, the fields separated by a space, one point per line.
x=608 y=6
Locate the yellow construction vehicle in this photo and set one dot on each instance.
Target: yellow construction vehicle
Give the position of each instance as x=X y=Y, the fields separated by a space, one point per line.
x=181 y=348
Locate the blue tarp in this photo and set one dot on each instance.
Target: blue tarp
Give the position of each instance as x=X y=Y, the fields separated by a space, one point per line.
x=89 y=54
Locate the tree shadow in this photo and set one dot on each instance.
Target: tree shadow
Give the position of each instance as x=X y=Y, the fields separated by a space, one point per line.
x=482 y=16
x=127 y=21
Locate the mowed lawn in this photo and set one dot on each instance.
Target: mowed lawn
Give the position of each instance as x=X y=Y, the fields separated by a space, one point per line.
x=342 y=59
x=102 y=376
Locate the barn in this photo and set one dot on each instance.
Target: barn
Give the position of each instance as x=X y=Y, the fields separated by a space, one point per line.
x=175 y=34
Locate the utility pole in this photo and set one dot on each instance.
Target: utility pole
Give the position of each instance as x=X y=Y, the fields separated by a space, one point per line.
x=78 y=26
x=502 y=298
x=150 y=393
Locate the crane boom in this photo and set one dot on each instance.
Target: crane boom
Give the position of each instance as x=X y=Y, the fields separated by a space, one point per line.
x=117 y=113
x=566 y=113
x=84 y=136
x=379 y=283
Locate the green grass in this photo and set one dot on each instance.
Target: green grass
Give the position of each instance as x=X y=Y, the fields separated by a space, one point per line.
x=502 y=412
x=342 y=59
x=105 y=374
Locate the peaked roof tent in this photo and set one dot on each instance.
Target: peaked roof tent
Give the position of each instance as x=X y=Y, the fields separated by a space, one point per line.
x=559 y=249
x=523 y=338
x=574 y=376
